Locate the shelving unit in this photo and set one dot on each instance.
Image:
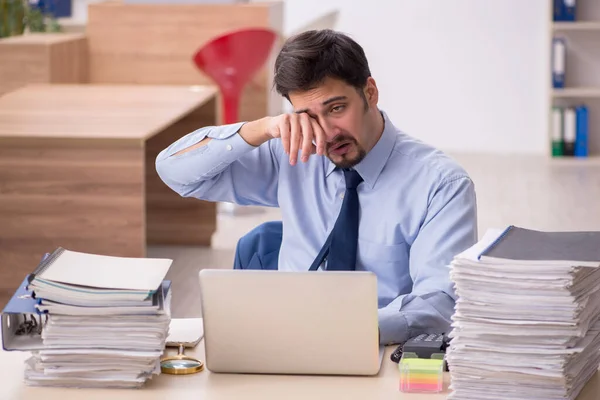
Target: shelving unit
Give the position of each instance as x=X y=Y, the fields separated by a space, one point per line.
x=577 y=93
x=582 y=74
x=576 y=26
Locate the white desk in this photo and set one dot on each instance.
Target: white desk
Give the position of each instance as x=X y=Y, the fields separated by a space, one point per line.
x=206 y=385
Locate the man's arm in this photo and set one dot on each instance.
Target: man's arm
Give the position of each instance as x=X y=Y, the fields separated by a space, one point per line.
x=450 y=227
x=232 y=163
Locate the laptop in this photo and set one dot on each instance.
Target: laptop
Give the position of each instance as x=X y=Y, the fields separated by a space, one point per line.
x=276 y=322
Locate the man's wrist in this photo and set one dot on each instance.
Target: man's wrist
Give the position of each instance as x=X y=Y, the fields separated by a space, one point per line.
x=255 y=132
x=393 y=327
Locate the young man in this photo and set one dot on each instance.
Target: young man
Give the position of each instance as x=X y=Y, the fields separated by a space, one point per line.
x=354 y=191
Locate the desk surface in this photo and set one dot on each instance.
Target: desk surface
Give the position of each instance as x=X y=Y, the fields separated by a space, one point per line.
x=45 y=38
x=90 y=111
x=206 y=385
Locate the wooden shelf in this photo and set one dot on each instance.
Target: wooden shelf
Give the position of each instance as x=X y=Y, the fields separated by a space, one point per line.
x=576 y=26
x=573 y=161
x=577 y=92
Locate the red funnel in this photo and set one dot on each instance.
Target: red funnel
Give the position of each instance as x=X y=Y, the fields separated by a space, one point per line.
x=231 y=60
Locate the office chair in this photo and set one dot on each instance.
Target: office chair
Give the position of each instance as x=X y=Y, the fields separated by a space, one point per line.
x=259 y=248
x=231 y=60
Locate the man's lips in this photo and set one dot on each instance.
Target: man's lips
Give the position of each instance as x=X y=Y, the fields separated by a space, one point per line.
x=338 y=145
x=340 y=148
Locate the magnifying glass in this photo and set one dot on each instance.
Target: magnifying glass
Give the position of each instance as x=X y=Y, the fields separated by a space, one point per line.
x=180 y=364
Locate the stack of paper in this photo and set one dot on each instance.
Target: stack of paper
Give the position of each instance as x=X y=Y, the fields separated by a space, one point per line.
x=107 y=320
x=526 y=323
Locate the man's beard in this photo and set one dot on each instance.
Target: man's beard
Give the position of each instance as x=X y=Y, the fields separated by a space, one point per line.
x=347 y=160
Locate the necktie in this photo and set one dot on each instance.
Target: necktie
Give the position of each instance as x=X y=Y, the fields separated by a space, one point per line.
x=341 y=245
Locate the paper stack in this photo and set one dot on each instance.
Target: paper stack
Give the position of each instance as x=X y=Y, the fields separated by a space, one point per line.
x=526 y=322
x=107 y=320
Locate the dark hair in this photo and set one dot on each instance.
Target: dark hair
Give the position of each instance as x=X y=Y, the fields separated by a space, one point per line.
x=306 y=59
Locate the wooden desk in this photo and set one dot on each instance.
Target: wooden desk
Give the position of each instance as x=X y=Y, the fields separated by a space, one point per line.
x=116 y=30
x=77 y=169
x=206 y=385
x=42 y=58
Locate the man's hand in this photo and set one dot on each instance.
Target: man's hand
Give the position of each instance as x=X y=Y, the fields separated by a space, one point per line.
x=298 y=132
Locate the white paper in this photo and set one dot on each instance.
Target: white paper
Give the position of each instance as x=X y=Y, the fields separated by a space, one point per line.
x=522 y=331
x=107 y=272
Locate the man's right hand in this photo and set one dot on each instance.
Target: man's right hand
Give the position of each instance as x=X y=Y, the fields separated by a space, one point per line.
x=298 y=132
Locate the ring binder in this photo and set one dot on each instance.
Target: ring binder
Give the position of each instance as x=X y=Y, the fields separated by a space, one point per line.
x=22 y=322
x=31 y=326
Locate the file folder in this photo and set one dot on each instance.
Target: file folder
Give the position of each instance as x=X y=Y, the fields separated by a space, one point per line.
x=564 y=10
x=559 y=55
x=581 y=136
x=22 y=321
x=557 y=132
x=570 y=131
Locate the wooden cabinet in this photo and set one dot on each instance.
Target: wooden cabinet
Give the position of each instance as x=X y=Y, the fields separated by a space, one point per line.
x=42 y=58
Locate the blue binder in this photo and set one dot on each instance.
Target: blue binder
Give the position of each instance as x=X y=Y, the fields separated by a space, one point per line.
x=564 y=10
x=56 y=8
x=22 y=322
x=558 y=64
x=581 y=137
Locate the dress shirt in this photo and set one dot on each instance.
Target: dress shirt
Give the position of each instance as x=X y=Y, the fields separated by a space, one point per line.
x=417 y=211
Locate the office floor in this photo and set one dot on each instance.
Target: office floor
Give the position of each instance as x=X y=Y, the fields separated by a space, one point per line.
x=533 y=192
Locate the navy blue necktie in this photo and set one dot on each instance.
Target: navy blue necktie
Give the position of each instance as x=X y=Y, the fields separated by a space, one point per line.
x=341 y=245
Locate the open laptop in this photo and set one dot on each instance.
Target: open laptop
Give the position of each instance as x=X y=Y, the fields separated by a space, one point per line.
x=275 y=322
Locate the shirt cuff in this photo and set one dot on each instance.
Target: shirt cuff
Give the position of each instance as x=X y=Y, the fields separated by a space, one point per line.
x=231 y=148
x=393 y=327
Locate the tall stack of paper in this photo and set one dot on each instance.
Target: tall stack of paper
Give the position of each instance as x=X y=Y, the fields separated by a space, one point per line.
x=526 y=323
x=107 y=320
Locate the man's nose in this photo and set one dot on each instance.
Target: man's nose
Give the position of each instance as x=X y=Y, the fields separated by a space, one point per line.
x=330 y=130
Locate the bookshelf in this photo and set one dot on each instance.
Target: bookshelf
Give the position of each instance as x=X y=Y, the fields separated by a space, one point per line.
x=580 y=26
x=581 y=75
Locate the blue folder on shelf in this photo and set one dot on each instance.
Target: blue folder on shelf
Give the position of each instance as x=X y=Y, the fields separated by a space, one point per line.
x=564 y=10
x=558 y=64
x=581 y=135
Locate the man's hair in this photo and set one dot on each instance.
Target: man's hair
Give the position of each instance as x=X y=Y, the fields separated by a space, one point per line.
x=306 y=59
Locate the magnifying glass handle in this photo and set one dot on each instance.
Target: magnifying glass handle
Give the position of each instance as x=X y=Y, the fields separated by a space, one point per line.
x=180 y=349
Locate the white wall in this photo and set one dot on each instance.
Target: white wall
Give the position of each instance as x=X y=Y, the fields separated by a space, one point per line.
x=463 y=75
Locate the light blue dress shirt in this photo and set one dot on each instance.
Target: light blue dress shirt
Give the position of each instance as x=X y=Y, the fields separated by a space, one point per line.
x=417 y=210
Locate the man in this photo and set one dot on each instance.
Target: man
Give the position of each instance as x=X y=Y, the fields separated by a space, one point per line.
x=354 y=191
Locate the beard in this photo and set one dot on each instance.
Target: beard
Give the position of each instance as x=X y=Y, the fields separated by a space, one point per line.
x=352 y=152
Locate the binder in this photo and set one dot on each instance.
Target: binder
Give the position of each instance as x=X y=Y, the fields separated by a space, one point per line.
x=581 y=136
x=557 y=10
x=570 y=131
x=22 y=322
x=564 y=10
x=557 y=131
x=559 y=55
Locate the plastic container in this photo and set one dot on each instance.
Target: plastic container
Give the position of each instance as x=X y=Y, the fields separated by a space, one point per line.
x=421 y=374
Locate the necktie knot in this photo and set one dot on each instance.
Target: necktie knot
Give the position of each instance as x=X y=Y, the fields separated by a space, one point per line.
x=353 y=178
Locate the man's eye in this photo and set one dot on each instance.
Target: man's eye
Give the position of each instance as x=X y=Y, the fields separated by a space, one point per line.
x=337 y=108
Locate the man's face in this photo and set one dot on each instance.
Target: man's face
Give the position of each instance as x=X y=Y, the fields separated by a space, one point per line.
x=345 y=114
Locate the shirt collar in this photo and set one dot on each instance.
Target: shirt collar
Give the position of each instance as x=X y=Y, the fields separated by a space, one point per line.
x=371 y=166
